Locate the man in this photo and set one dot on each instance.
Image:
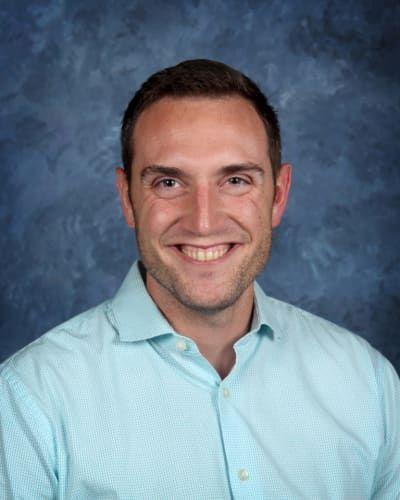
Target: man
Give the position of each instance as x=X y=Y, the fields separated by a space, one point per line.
x=191 y=383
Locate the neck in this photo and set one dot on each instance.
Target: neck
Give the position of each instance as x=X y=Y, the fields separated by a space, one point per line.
x=214 y=334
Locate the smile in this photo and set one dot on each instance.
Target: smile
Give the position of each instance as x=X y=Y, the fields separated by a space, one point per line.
x=205 y=254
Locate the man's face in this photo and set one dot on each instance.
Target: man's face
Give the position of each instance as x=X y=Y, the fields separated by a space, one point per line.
x=202 y=198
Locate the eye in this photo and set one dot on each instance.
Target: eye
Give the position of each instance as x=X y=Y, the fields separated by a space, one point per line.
x=237 y=181
x=166 y=183
x=167 y=187
x=237 y=185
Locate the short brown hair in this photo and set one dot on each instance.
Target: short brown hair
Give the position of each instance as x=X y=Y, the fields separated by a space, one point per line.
x=199 y=78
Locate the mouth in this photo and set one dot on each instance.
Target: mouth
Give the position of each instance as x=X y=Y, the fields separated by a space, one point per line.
x=206 y=254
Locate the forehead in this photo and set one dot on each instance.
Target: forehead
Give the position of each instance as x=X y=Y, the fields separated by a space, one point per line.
x=185 y=129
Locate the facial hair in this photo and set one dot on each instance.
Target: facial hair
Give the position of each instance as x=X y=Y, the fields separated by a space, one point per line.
x=182 y=290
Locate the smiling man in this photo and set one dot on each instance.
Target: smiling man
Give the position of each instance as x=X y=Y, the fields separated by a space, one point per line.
x=203 y=201
x=191 y=383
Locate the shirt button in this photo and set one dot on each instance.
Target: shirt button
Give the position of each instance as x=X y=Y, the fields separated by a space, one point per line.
x=181 y=345
x=225 y=392
x=243 y=474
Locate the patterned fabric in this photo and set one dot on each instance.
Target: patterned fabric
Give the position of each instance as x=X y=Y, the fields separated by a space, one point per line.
x=114 y=404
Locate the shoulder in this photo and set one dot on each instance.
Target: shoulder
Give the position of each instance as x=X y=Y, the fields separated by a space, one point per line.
x=66 y=346
x=324 y=344
x=342 y=368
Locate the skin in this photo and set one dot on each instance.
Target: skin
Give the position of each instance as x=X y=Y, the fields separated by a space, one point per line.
x=203 y=203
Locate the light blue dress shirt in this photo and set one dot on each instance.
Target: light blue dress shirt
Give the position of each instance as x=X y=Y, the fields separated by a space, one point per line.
x=114 y=404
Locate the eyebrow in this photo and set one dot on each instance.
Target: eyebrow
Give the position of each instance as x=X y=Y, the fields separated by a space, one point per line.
x=151 y=170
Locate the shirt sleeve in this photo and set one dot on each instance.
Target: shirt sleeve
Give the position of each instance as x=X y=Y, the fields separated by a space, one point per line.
x=387 y=481
x=27 y=450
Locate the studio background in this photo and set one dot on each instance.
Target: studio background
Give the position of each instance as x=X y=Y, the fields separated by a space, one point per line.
x=330 y=68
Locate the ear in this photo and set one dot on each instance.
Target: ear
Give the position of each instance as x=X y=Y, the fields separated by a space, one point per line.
x=122 y=185
x=282 y=188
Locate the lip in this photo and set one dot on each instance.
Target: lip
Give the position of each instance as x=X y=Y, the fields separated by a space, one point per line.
x=222 y=259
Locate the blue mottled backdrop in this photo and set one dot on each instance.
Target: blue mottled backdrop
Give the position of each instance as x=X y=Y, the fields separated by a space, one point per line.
x=68 y=69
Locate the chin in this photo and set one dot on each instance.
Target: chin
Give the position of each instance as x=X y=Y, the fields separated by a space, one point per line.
x=207 y=304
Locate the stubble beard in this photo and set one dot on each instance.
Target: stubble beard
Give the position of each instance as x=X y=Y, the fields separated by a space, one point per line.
x=182 y=290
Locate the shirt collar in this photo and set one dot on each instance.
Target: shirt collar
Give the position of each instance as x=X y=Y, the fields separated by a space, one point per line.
x=267 y=313
x=136 y=316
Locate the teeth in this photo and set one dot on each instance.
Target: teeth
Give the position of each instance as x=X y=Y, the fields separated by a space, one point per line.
x=205 y=254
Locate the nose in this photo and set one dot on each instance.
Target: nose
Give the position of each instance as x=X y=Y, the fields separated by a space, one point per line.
x=204 y=211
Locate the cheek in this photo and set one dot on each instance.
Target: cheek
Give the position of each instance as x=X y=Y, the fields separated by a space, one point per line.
x=253 y=211
x=157 y=215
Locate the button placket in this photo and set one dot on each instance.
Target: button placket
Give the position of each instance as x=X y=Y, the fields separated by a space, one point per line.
x=239 y=468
